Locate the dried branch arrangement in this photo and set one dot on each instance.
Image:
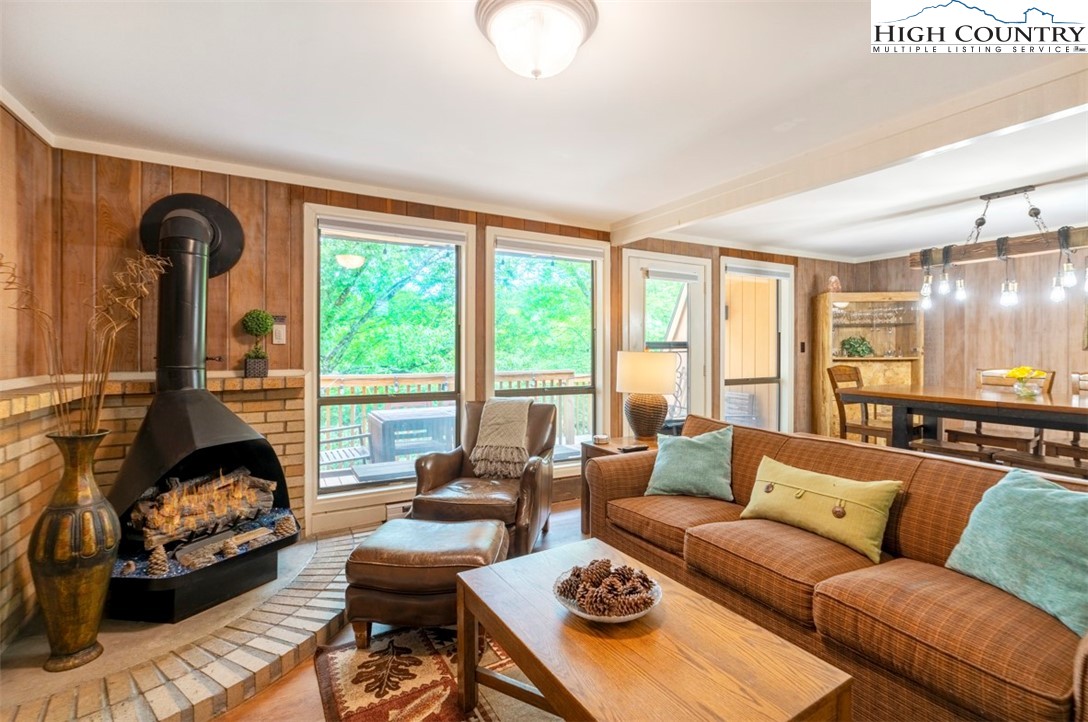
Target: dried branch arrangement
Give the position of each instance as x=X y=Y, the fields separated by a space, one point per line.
x=114 y=307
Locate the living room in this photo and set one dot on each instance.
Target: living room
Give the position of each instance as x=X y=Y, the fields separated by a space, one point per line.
x=387 y=248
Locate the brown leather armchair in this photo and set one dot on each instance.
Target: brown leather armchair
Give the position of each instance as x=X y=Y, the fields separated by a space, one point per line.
x=447 y=488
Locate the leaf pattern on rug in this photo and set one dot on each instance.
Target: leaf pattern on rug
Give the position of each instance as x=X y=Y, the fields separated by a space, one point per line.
x=386 y=669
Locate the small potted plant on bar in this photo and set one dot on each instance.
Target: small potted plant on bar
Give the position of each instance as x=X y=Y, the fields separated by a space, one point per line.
x=258 y=324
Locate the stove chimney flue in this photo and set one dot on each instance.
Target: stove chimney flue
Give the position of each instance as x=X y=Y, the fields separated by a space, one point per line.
x=185 y=239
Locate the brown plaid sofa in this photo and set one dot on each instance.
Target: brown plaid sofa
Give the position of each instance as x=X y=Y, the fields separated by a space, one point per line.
x=922 y=642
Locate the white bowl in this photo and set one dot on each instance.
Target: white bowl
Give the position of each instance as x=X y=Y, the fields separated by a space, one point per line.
x=572 y=606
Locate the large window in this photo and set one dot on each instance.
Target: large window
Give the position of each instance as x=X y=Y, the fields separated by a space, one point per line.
x=666 y=298
x=389 y=350
x=546 y=315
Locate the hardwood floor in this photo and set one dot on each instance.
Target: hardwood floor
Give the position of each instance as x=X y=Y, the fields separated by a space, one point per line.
x=295 y=696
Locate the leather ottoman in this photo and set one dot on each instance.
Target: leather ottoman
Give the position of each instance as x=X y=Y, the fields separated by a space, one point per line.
x=405 y=573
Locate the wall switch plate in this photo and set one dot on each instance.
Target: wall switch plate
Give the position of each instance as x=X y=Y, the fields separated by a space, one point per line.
x=279 y=330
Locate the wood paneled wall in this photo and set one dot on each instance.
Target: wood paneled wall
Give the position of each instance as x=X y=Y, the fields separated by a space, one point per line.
x=69 y=217
x=980 y=333
x=28 y=237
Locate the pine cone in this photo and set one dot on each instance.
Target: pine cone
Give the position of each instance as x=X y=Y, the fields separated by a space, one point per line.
x=157 y=564
x=611 y=587
x=643 y=581
x=633 y=604
x=568 y=588
x=624 y=573
x=230 y=549
x=594 y=601
x=285 y=526
x=596 y=572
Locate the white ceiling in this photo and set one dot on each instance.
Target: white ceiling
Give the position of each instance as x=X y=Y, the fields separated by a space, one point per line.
x=668 y=98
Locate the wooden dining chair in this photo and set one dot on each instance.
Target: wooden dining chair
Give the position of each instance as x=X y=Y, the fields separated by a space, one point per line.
x=843 y=376
x=1076 y=447
x=1067 y=456
x=979 y=442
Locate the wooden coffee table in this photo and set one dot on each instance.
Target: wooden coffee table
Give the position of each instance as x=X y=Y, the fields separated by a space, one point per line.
x=689 y=658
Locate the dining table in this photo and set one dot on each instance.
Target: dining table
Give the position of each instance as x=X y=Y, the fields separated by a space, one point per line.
x=935 y=403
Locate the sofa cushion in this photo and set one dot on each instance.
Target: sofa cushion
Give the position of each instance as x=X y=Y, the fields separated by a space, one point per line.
x=749 y=448
x=693 y=466
x=662 y=520
x=972 y=643
x=773 y=563
x=1029 y=536
x=938 y=501
x=850 y=512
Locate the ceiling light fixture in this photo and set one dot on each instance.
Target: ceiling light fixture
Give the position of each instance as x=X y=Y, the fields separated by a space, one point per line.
x=1009 y=295
x=971 y=251
x=536 y=38
x=350 y=260
x=945 y=285
x=927 y=278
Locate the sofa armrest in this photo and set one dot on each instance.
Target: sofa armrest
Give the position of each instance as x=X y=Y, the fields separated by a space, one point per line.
x=438 y=468
x=616 y=477
x=1080 y=681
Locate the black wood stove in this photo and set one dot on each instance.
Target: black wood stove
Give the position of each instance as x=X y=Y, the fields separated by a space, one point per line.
x=188 y=434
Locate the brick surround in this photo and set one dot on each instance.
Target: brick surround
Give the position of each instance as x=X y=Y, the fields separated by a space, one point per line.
x=30 y=464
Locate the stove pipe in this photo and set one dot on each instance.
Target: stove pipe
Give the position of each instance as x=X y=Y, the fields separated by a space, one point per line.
x=185 y=239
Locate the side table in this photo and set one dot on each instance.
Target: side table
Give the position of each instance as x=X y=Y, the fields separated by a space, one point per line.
x=590 y=451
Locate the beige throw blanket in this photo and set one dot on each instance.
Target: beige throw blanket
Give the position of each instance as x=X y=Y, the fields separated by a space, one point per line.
x=500 y=451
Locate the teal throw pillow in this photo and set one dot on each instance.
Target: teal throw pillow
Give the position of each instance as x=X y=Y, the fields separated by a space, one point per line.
x=694 y=465
x=1029 y=536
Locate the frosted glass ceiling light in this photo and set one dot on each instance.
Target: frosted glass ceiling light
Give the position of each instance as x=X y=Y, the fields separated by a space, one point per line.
x=536 y=38
x=350 y=260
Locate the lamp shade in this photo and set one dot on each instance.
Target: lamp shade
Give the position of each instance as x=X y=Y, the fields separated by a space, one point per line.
x=645 y=372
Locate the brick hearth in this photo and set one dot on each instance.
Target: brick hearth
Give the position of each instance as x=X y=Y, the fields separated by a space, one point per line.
x=203 y=676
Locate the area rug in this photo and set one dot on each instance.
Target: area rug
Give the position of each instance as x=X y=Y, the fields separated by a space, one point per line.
x=410 y=675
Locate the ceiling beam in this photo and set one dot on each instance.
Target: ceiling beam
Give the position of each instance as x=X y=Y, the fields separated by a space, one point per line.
x=1054 y=88
x=1029 y=245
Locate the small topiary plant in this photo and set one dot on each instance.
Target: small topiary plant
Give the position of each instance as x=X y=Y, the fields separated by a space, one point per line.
x=258 y=324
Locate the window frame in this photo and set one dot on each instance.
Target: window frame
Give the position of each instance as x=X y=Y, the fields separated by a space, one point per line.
x=547 y=244
x=336 y=507
x=635 y=262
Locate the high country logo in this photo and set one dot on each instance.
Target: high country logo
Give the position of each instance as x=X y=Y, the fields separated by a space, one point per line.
x=958 y=26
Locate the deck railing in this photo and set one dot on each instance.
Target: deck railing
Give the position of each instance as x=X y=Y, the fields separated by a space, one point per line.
x=574 y=411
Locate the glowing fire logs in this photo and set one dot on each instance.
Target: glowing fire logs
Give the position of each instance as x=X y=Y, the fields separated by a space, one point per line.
x=205 y=505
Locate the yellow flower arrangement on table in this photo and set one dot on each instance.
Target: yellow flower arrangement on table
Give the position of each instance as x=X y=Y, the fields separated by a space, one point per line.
x=1023 y=376
x=1023 y=373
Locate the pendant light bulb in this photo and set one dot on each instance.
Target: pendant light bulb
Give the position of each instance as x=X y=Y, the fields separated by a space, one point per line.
x=927 y=303
x=1057 y=290
x=1069 y=275
x=1009 y=295
x=927 y=285
x=945 y=285
x=961 y=289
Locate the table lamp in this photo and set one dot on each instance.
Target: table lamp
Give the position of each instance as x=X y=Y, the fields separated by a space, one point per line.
x=645 y=376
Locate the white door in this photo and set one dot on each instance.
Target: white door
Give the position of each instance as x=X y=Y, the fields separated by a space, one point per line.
x=757 y=337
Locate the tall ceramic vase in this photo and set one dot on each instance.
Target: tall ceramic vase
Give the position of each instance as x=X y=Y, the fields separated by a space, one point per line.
x=72 y=551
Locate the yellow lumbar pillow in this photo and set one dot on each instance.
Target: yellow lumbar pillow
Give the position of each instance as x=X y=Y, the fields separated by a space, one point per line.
x=850 y=512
